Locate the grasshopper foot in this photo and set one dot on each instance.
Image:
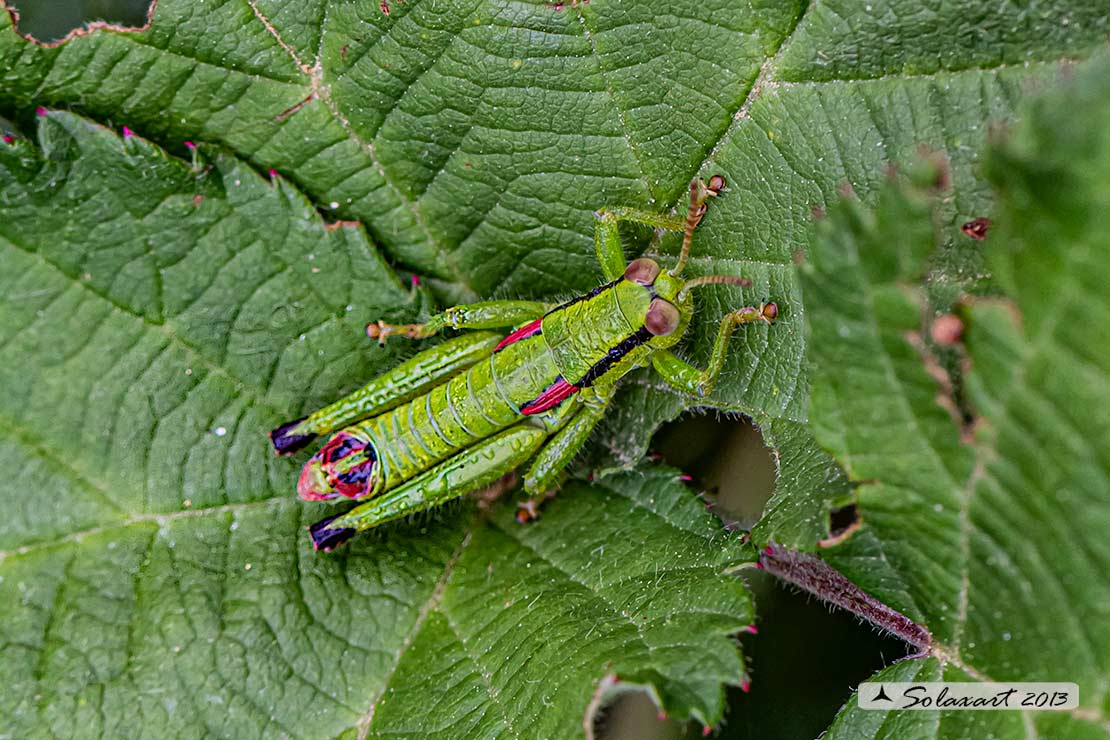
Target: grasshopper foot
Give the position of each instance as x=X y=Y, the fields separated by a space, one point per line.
x=529 y=509
x=286 y=441
x=381 y=331
x=327 y=539
x=767 y=312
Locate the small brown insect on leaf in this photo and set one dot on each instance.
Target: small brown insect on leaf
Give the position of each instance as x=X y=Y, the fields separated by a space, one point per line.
x=977 y=228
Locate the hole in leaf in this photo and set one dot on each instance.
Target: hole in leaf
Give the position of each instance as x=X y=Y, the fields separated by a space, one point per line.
x=842 y=519
x=634 y=715
x=726 y=457
x=51 y=20
x=804 y=664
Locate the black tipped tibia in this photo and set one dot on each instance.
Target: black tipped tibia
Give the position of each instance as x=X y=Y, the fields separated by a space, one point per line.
x=286 y=443
x=328 y=539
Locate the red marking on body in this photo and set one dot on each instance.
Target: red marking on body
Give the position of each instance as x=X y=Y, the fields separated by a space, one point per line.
x=751 y=628
x=354 y=483
x=307 y=489
x=190 y=145
x=127 y=133
x=8 y=139
x=40 y=111
x=340 y=446
x=745 y=686
x=523 y=332
x=555 y=394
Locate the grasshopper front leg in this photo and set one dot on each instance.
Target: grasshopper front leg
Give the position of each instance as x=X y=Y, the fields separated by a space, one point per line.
x=543 y=477
x=484 y=315
x=685 y=377
x=607 y=240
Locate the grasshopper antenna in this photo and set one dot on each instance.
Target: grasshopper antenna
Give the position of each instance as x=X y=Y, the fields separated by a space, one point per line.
x=714 y=280
x=699 y=192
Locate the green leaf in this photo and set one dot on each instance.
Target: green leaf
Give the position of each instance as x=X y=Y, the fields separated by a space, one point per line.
x=157 y=319
x=991 y=534
x=473 y=141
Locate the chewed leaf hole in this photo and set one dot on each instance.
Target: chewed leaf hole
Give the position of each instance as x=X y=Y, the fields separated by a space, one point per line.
x=726 y=458
x=49 y=21
x=633 y=714
x=843 y=521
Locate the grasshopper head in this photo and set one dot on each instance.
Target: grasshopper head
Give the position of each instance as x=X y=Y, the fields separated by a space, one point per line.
x=665 y=312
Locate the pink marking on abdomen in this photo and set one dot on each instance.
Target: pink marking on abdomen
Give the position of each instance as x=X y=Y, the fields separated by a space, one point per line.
x=555 y=394
x=523 y=332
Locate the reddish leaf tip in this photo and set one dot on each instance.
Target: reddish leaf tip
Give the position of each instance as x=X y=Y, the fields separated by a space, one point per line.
x=190 y=145
x=40 y=111
x=8 y=139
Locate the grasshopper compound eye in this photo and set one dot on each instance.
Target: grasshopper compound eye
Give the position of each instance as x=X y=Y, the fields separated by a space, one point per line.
x=662 y=318
x=642 y=271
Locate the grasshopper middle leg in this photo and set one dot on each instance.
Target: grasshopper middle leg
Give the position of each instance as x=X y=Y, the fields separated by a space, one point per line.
x=685 y=377
x=546 y=472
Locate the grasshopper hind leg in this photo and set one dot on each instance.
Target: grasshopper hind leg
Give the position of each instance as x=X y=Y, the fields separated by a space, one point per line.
x=327 y=538
x=392 y=388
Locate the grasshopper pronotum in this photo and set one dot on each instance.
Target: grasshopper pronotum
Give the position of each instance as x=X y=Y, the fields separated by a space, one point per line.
x=462 y=415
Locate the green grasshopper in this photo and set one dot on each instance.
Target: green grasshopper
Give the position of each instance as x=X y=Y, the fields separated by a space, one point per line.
x=464 y=414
